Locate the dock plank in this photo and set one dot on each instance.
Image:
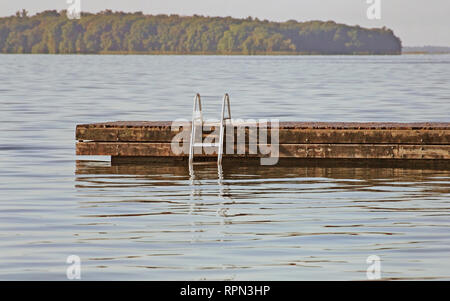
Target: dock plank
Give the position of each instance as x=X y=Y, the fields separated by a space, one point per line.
x=335 y=151
x=286 y=136
x=286 y=125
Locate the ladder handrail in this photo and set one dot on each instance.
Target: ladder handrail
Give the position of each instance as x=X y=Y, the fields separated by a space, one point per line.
x=197 y=99
x=196 y=115
x=226 y=99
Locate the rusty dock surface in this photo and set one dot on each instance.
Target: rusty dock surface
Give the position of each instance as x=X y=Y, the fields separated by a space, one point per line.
x=130 y=140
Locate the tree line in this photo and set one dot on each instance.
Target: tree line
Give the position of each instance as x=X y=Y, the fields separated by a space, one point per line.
x=119 y=32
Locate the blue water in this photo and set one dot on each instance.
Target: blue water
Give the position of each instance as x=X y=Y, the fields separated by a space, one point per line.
x=276 y=223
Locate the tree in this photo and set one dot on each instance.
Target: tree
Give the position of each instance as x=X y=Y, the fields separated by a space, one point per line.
x=69 y=36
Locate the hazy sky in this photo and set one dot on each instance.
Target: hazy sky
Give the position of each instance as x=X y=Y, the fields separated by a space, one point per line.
x=416 y=22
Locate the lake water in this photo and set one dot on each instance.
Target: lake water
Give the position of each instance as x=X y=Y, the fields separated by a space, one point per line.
x=152 y=222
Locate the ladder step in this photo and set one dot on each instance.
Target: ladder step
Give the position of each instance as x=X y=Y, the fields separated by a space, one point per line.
x=206 y=144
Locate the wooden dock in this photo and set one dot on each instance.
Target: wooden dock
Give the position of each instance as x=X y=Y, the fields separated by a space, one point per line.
x=133 y=140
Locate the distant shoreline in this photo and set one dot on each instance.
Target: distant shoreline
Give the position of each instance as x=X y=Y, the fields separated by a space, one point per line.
x=232 y=54
x=425 y=50
x=237 y=53
x=430 y=53
x=135 y=33
x=219 y=54
x=215 y=54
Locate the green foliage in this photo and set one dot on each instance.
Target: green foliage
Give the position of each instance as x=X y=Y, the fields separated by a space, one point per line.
x=109 y=32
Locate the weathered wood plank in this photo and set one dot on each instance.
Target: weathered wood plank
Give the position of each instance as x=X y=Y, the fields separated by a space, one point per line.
x=365 y=151
x=364 y=136
x=336 y=151
x=285 y=125
x=286 y=136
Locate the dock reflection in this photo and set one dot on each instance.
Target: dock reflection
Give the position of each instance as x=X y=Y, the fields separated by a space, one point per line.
x=201 y=178
x=249 y=217
x=252 y=170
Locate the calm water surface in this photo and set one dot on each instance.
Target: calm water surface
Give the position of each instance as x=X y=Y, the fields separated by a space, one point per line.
x=154 y=222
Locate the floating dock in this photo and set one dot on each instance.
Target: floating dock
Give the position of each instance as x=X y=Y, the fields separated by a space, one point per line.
x=131 y=141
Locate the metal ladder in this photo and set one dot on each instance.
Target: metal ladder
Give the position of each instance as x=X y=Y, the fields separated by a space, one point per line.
x=198 y=116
